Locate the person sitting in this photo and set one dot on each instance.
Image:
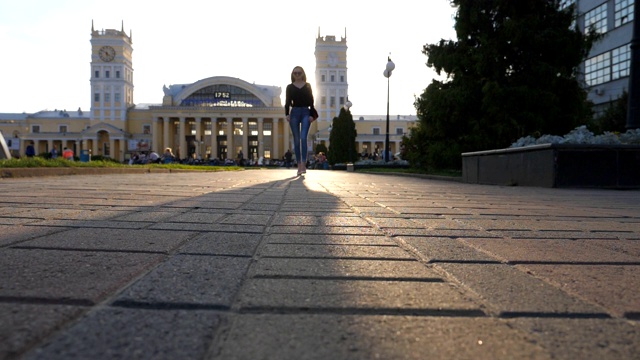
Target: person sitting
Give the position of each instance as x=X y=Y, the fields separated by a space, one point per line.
x=67 y=154
x=154 y=158
x=168 y=156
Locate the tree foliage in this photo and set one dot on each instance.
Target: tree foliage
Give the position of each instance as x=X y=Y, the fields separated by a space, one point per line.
x=511 y=73
x=342 y=140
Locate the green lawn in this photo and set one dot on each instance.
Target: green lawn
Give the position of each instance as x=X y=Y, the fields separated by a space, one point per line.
x=42 y=162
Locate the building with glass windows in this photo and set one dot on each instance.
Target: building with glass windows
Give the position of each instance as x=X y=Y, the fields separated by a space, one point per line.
x=606 y=70
x=217 y=117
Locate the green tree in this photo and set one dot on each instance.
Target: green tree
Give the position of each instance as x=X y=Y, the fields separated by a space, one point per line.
x=511 y=73
x=342 y=140
x=614 y=118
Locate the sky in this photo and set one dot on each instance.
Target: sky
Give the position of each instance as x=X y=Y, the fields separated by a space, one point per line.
x=46 y=57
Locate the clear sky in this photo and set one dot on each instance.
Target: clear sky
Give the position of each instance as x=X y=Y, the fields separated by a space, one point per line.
x=47 y=51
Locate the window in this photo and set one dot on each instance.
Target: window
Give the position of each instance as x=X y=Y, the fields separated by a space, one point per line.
x=117 y=74
x=146 y=129
x=612 y=65
x=341 y=100
x=35 y=129
x=341 y=78
x=376 y=131
x=623 y=12
x=266 y=129
x=399 y=131
x=116 y=97
x=63 y=128
x=96 y=74
x=323 y=77
x=597 y=69
x=333 y=101
x=333 y=78
x=566 y=3
x=597 y=18
x=96 y=97
x=106 y=74
x=107 y=97
x=323 y=100
x=620 y=62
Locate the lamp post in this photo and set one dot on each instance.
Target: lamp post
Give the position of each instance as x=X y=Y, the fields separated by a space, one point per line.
x=387 y=74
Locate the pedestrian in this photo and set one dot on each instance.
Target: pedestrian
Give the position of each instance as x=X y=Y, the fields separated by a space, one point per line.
x=54 y=152
x=30 y=151
x=300 y=113
x=287 y=158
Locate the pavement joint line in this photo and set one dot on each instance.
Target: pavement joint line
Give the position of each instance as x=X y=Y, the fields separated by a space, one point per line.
x=132 y=251
x=350 y=278
x=421 y=312
x=35 y=300
x=549 y=315
x=373 y=258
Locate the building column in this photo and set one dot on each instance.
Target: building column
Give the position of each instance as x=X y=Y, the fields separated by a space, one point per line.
x=287 y=140
x=214 y=138
x=155 y=138
x=165 y=133
x=260 y=138
x=199 y=139
x=182 y=138
x=230 y=154
x=275 y=137
x=113 y=153
x=245 y=137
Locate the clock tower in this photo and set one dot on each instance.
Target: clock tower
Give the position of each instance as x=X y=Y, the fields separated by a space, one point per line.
x=111 y=75
x=331 y=77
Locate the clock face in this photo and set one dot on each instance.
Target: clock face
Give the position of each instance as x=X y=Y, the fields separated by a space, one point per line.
x=333 y=59
x=107 y=53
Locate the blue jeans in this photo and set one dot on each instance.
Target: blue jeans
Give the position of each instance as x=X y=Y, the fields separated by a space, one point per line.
x=299 y=122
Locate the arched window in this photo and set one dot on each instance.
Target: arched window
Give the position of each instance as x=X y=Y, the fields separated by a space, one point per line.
x=222 y=95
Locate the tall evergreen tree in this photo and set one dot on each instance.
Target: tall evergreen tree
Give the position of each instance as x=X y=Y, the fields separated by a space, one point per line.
x=342 y=140
x=512 y=72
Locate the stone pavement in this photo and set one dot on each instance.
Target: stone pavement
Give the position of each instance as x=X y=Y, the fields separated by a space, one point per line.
x=262 y=265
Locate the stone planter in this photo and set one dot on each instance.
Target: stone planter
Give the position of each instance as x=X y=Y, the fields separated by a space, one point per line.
x=556 y=165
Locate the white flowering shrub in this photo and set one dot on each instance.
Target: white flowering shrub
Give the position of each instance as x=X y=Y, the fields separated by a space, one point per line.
x=582 y=135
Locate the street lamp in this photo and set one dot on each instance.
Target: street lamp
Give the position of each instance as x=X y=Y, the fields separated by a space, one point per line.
x=387 y=74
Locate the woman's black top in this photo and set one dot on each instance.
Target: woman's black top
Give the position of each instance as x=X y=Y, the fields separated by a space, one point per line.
x=298 y=97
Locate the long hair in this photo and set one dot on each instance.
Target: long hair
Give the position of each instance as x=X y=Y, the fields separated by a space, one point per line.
x=304 y=74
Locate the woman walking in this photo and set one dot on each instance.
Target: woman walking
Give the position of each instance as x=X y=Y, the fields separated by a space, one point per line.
x=300 y=114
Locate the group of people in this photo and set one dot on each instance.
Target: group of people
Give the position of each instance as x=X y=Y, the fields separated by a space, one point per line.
x=67 y=153
x=152 y=158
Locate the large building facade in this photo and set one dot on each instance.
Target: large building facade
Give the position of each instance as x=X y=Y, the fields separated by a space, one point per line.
x=216 y=117
x=607 y=68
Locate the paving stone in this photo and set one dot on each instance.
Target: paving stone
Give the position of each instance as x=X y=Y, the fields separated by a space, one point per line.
x=588 y=339
x=92 y=224
x=111 y=239
x=15 y=234
x=401 y=297
x=333 y=251
x=116 y=333
x=548 y=250
x=344 y=268
x=437 y=249
x=356 y=239
x=326 y=230
x=510 y=292
x=341 y=337
x=255 y=229
x=82 y=275
x=614 y=287
x=23 y=324
x=231 y=244
x=190 y=281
